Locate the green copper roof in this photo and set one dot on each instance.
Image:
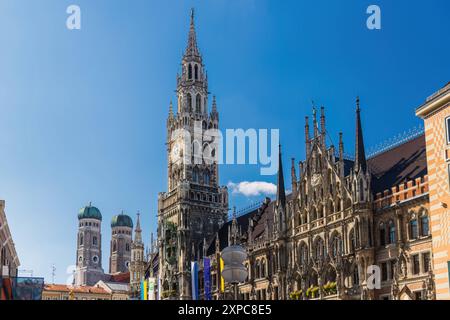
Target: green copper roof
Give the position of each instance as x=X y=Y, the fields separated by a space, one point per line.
x=121 y=220
x=89 y=212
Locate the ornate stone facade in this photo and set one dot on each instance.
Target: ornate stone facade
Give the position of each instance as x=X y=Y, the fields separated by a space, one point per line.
x=343 y=217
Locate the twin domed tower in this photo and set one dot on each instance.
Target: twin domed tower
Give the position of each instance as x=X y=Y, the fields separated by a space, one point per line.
x=89 y=246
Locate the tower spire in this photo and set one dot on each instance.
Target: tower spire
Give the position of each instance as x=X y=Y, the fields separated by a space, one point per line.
x=315 y=126
x=138 y=230
x=192 y=49
x=293 y=177
x=281 y=193
x=360 y=154
x=214 y=105
x=170 y=110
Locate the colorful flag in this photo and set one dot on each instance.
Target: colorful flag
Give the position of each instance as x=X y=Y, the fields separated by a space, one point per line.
x=144 y=290
x=207 y=278
x=151 y=288
x=222 y=280
x=194 y=278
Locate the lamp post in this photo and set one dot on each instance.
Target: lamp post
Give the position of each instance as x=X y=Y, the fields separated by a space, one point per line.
x=234 y=271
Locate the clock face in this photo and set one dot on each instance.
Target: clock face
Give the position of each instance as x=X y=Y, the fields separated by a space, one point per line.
x=176 y=152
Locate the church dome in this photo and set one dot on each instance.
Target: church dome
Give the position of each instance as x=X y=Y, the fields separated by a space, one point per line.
x=121 y=220
x=89 y=212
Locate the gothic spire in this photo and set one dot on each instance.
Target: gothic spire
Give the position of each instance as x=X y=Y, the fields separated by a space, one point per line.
x=170 y=110
x=307 y=138
x=192 y=49
x=322 y=124
x=315 y=126
x=281 y=194
x=293 y=176
x=138 y=230
x=360 y=154
x=214 y=105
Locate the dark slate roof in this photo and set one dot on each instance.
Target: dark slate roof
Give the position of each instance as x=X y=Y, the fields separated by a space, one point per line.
x=266 y=214
x=404 y=162
x=348 y=166
x=242 y=221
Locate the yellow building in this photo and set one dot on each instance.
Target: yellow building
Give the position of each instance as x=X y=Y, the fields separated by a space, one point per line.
x=436 y=114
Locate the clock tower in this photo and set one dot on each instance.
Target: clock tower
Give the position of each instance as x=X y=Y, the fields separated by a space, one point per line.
x=194 y=206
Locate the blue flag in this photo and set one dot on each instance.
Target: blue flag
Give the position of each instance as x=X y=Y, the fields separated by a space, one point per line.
x=194 y=278
x=207 y=278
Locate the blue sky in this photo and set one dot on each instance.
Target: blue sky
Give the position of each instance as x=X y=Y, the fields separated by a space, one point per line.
x=83 y=112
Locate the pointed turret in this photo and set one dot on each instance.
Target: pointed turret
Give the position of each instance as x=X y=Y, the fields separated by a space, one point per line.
x=360 y=154
x=281 y=193
x=341 y=155
x=315 y=125
x=214 y=113
x=171 y=110
x=217 y=244
x=234 y=228
x=138 y=230
x=322 y=125
x=307 y=138
x=293 y=177
x=170 y=117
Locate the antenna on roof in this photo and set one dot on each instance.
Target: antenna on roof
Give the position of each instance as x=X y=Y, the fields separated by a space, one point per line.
x=53 y=273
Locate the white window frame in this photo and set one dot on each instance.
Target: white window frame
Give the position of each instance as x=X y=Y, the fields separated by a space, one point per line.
x=447 y=130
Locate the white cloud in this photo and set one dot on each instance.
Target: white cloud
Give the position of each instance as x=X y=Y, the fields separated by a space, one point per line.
x=252 y=189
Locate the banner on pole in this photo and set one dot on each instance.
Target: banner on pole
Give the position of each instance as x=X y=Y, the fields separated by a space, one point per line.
x=151 y=289
x=194 y=278
x=222 y=280
x=207 y=278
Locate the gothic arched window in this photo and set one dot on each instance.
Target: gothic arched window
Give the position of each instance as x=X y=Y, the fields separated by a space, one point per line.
x=127 y=247
x=198 y=103
x=189 y=102
x=207 y=178
x=331 y=206
x=258 y=270
x=413 y=229
x=338 y=205
x=424 y=226
x=391 y=232
x=313 y=214
x=319 y=249
x=196 y=72
x=336 y=246
x=81 y=239
x=303 y=253
x=195 y=175
x=94 y=241
x=115 y=245
x=263 y=268
x=190 y=72
x=352 y=239
x=382 y=234
x=355 y=276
